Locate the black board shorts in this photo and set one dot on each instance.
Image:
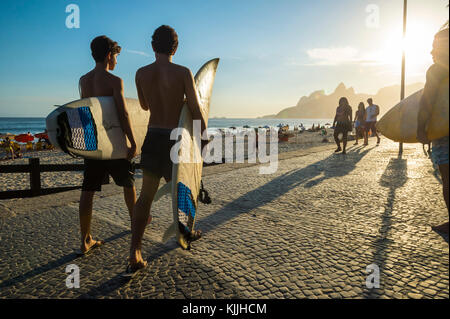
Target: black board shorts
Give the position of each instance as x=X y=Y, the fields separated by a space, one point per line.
x=371 y=126
x=155 y=155
x=95 y=171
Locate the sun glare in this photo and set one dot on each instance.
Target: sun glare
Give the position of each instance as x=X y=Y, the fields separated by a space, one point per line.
x=417 y=45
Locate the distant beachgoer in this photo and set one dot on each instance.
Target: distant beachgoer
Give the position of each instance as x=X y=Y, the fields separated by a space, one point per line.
x=437 y=78
x=342 y=123
x=360 y=119
x=256 y=139
x=372 y=111
x=9 y=148
x=100 y=82
x=46 y=140
x=39 y=145
x=29 y=146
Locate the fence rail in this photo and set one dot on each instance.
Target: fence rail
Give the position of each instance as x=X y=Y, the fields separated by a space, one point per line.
x=34 y=168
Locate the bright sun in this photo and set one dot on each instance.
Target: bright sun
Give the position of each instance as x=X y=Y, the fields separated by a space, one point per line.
x=417 y=45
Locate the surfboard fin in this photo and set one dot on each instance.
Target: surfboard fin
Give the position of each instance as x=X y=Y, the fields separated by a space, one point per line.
x=171 y=231
x=181 y=240
x=165 y=189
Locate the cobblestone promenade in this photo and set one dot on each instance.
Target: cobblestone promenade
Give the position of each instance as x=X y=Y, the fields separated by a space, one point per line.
x=307 y=231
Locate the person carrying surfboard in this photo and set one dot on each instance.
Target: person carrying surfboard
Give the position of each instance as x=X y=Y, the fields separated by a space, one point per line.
x=437 y=80
x=162 y=87
x=100 y=82
x=372 y=111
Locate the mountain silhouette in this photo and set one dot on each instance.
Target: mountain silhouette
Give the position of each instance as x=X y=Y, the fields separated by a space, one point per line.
x=319 y=105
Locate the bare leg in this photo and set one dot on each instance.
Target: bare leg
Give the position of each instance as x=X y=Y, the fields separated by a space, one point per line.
x=141 y=215
x=129 y=194
x=344 y=142
x=366 y=137
x=376 y=134
x=444 y=228
x=445 y=182
x=336 y=139
x=85 y=211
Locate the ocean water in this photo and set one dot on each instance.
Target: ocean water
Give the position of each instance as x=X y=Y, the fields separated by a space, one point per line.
x=34 y=125
x=20 y=125
x=254 y=123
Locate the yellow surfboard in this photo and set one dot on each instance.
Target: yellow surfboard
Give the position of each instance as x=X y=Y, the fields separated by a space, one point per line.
x=400 y=123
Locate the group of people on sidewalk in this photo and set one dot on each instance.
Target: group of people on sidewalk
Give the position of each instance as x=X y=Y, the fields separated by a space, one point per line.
x=364 y=123
x=163 y=87
x=437 y=80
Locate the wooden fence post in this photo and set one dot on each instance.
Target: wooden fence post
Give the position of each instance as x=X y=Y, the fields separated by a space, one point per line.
x=35 y=176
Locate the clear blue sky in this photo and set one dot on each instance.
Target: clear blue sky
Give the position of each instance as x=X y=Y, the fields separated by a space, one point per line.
x=272 y=52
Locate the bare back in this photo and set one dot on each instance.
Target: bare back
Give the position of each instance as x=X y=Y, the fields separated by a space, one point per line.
x=161 y=89
x=97 y=83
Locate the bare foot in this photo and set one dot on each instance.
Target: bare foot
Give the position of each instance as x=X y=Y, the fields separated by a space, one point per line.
x=136 y=260
x=89 y=244
x=133 y=268
x=443 y=228
x=138 y=265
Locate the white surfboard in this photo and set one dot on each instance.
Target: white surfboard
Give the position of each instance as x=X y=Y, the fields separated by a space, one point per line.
x=90 y=128
x=186 y=176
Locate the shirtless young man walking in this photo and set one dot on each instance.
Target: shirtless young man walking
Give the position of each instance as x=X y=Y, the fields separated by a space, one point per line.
x=100 y=82
x=162 y=87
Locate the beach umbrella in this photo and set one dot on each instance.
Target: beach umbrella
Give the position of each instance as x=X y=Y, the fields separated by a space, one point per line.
x=41 y=135
x=24 y=138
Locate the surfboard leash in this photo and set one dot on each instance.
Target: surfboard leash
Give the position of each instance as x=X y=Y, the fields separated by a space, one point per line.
x=203 y=195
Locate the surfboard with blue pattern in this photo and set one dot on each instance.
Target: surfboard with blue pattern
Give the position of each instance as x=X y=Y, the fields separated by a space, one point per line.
x=82 y=127
x=187 y=174
x=186 y=207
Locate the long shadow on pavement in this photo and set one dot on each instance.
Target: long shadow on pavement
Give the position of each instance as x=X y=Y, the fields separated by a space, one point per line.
x=335 y=165
x=394 y=177
x=64 y=260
